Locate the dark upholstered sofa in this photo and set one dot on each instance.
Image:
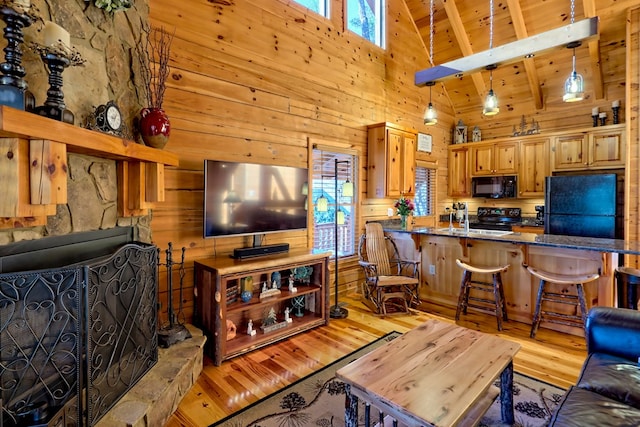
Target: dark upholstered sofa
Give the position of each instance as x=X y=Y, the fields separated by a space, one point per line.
x=608 y=388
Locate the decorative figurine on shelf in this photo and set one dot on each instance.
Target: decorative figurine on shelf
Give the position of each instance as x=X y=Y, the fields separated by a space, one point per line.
x=264 y=287
x=287 y=318
x=266 y=292
x=292 y=289
x=477 y=135
x=231 y=330
x=460 y=133
x=250 y=330
x=276 y=278
x=298 y=306
x=246 y=296
x=615 y=107
x=270 y=318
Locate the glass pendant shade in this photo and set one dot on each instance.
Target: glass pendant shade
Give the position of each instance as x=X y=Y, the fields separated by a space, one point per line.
x=322 y=204
x=347 y=189
x=573 y=88
x=340 y=218
x=430 y=115
x=491 y=104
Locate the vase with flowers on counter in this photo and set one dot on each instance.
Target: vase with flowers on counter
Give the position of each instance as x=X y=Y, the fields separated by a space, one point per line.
x=404 y=207
x=153 y=52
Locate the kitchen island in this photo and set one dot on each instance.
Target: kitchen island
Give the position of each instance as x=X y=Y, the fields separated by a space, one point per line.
x=438 y=248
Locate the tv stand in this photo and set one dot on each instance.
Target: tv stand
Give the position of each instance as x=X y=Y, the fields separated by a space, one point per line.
x=257 y=251
x=224 y=315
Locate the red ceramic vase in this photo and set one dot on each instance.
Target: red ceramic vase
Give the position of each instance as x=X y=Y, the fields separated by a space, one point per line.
x=155 y=127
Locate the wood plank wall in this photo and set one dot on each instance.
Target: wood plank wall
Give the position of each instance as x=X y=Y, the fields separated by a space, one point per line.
x=253 y=80
x=632 y=177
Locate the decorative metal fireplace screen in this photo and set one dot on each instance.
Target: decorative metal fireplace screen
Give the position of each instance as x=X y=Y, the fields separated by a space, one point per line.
x=74 y=340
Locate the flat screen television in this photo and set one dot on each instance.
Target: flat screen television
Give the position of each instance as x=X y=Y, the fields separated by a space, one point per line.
x=250 y=198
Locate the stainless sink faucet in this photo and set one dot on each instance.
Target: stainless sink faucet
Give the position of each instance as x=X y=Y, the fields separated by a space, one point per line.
x=466 y=218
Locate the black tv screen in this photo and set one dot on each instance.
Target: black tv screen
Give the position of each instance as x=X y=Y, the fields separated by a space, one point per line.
x=249 y=198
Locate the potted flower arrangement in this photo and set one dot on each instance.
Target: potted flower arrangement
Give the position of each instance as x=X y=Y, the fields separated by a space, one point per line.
x=404 y=207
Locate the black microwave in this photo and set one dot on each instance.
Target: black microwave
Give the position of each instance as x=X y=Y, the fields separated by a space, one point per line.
x=494 y=187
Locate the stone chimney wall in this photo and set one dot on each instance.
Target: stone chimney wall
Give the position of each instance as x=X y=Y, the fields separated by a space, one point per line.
x=107 y=41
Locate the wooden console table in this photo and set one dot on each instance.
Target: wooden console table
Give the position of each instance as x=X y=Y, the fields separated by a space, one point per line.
x=219 y=282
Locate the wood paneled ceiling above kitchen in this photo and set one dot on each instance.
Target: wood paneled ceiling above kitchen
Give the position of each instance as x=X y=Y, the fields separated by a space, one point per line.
x=461 y=28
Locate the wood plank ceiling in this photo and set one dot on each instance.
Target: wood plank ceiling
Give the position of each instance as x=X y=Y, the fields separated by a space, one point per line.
x=461 y=28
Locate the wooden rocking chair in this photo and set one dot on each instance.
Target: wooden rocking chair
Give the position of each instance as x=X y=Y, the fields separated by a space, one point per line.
x=386 y=288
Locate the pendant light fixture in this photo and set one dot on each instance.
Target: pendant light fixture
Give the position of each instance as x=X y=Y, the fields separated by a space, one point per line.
x=430 y=115
x=574 y=85
x=322 y=204
x=490 y=107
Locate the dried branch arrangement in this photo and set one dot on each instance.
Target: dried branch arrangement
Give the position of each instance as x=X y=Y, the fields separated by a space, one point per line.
x=153 y=53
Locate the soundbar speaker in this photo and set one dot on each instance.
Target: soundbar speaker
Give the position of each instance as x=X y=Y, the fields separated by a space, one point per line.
x=255 y=251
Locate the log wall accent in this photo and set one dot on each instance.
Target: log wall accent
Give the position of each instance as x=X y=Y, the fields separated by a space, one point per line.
x=254 y=80
x=632 y=176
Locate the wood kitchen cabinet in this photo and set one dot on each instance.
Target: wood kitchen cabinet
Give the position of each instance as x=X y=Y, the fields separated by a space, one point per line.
x=598 y=149
x=459 y=180
x=533 y=167
x=494 y=159
x=391 y=171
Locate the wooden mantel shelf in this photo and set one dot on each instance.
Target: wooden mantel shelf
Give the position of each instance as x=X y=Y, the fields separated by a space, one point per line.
x=33 y=167
x=21 y=124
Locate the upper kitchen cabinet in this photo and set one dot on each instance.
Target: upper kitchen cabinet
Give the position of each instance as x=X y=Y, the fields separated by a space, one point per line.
x=494 y=159
x=392 y=160
x=597 y=149
x=459 y=184
x=533 y=167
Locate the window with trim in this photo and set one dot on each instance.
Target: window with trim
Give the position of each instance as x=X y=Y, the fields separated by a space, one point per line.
x=324 y=186
x=366 y=18
x=425 y=191
x=320 y=7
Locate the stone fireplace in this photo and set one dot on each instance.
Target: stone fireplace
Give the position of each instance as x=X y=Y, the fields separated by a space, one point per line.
x=78 y=325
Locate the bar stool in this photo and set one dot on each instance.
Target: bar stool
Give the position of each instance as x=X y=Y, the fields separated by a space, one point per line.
x=497 y=305
x=628 y=282
x=578 y=300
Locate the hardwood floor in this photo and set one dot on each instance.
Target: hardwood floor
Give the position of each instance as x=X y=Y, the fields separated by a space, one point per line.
x=553 y=357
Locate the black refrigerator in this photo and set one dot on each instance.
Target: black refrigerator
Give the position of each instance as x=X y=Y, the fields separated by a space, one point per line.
x=581 y=205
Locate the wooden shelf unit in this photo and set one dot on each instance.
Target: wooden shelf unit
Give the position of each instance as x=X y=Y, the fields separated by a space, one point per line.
x=33 y=166
x=214 y=276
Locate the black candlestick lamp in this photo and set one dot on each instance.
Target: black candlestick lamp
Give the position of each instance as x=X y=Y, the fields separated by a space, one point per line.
x=54 y=106
x=13 y=87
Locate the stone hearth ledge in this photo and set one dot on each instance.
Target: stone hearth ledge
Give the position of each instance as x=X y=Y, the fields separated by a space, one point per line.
x=156 y=396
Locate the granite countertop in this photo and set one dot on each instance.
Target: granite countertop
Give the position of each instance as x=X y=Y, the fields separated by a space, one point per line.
x=550 y=240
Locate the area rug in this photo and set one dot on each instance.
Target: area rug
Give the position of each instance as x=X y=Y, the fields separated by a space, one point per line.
x=318 y=400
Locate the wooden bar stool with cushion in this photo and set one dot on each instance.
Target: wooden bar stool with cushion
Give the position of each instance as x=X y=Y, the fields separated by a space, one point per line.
x=628 y=284
x=577 y=300
x=497 y=305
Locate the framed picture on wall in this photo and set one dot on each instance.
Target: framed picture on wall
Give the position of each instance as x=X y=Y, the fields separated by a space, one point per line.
x=425 y=142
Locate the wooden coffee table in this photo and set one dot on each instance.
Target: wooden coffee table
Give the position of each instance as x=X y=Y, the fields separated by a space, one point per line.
x=437 y=374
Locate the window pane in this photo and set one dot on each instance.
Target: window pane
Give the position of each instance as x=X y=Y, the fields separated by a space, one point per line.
x=319 y=6
x=366 y=18
x=324 y=185
x=425 y=191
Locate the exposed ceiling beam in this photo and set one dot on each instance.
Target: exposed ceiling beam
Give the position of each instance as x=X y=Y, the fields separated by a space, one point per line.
x=510 y=52
x=529 y=64
x=594 y=53
x=463 y=41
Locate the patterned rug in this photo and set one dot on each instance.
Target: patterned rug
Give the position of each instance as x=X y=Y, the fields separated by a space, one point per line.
x=318 y=400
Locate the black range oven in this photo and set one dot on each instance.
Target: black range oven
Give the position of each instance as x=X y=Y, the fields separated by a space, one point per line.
x=497 y=218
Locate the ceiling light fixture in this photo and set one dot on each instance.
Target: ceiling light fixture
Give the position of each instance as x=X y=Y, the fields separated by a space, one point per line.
x=490 y=107
x=430 y=115
x=574 y=85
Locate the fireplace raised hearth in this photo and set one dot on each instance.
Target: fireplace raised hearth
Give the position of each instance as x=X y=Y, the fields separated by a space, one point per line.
x=78 y=325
